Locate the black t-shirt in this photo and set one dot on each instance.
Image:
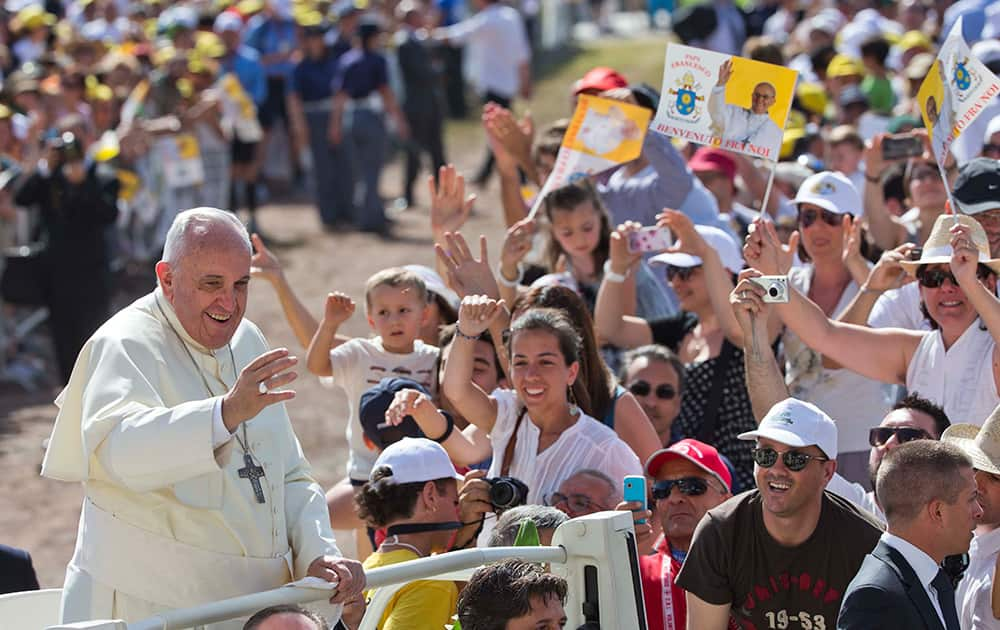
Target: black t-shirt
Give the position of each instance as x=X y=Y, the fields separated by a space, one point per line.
x=734 y=560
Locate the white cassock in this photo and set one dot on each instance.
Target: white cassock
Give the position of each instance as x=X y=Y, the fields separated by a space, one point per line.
x=742 y=125
x=167 y=520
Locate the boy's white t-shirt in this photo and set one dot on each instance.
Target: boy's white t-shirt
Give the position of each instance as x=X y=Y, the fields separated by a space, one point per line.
x=359 y=365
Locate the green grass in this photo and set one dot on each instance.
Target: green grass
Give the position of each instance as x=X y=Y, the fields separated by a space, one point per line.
x=640 y=60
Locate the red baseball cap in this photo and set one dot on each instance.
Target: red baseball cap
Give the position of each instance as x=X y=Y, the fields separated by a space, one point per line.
x=600 y=79
x=698 y=453
x=712 y=159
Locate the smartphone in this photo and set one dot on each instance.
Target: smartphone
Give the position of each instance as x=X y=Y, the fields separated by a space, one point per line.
x=916 y=253
x=901 y=146
x=650 y=239
x=635 y=490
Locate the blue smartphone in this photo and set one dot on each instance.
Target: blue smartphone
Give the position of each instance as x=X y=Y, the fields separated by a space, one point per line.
x=635 y=490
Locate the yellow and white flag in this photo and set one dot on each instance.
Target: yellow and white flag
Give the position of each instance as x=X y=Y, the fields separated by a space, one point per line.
x=603 y=133
x=955 y=91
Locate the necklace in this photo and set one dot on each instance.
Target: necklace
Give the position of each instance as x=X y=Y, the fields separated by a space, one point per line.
x=250 y=470
x=395 y=543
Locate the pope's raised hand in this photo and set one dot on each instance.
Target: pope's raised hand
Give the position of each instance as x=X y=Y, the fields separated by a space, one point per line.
x=348 y=575
x=256 y=387
x=725 y=72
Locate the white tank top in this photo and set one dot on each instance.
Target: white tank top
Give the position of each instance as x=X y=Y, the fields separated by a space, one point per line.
x=959 y=379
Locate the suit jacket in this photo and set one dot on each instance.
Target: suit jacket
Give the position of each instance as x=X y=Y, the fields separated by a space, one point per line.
x=420 y=79
x=887 y=594
x=16 y=572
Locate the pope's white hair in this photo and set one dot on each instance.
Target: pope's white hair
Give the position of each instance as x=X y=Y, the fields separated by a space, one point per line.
x=197 y=223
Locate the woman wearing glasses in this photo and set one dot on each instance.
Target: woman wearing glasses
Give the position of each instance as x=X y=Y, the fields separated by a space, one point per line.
x=700 y=268
x=830 y=243
x=947 y=365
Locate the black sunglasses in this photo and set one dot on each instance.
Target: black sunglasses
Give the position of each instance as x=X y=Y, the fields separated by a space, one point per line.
x=809 y=216
x=794 y=460
x=991 y=149
x=663 y=392
x=880 y=435
x=684 y=273
x=934 y=278
x=689 y=486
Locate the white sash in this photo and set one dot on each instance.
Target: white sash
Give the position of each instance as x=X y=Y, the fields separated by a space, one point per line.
x=164 y=571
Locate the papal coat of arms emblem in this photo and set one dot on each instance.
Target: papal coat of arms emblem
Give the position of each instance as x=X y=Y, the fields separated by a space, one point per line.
x=687 y=104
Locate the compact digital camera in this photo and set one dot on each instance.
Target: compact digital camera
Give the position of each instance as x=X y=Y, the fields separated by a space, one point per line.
x=775 y=288
x=507 y=492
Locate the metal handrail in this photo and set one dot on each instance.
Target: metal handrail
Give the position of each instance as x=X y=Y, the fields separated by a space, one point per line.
x=420 y=568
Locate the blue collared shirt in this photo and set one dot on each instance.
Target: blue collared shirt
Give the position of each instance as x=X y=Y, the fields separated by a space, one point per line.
x=360 y=72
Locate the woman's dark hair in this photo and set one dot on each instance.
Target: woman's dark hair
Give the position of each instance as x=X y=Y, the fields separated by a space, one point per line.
x=381 y=502
x=447 y=312
x=566 y=199
x=654 y=352
x=595 y=380
x=555 y=322
x=500 y=592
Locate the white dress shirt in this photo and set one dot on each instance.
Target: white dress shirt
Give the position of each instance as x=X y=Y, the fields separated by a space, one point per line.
x=497 y=46
x=922 y=564
x=975 y=591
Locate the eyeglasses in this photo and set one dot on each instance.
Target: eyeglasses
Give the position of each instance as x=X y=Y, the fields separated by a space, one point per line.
x=809 y=216
x=689 y=486
x=879 y=436
x=575 y=502
x=642 y=389
x=934 y=278
x=794 y=460
x=684 y=273
x=991 y=149
x=757 y=96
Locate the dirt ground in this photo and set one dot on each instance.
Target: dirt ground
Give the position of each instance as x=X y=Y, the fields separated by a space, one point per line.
x=41 y=515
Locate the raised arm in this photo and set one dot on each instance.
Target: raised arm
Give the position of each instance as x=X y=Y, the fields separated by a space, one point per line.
x=886 y=231
x=474 y=316
x=464 y=448
x=849 y=345
x=339 y=308
x=450 y=208
x=964 y=265
x=610 y=321
x=764 y=382
x=517 y=243
x=886 y=275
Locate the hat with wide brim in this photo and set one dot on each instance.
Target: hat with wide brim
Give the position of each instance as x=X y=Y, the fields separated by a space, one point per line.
x=937 y=249
x=981 y=444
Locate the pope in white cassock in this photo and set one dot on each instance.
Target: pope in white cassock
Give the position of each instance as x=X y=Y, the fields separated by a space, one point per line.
x=196 y=488
x=754 y=125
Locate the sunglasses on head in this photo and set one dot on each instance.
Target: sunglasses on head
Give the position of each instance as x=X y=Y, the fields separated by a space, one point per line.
x=808 y=216
x=689 y=486
x=878 y=436
x=765 y=457
x=642 y=389
x=684 y=273
x=934 y=278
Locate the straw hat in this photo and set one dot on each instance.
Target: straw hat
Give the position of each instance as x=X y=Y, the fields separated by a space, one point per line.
x=937 y=249
x=982 y=445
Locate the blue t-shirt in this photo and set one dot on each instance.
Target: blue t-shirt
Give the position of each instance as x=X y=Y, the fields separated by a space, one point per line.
x=360 y=72
x=312 y=79
x=271 y=35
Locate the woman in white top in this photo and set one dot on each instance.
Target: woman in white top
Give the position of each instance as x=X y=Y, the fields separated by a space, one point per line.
x=948 y=365
x=537 y=433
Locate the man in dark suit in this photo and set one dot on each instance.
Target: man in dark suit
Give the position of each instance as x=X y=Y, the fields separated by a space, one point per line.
x=928 y=493
x=424 y=104
x=16 y=572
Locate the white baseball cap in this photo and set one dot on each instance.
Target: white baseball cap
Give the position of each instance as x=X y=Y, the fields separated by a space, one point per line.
x=830 y=191
x=797 y=424
x=414 y=460
x=719 y=240
x=227 y=21
x=435 y=284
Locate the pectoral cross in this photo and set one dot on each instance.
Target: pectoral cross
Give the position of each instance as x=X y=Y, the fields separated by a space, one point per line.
x=253 y=473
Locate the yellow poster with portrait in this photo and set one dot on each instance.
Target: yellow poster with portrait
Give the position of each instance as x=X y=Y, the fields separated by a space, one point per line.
x=733 y=103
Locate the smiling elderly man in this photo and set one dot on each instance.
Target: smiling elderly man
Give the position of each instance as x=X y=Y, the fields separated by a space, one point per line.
x=196 y=488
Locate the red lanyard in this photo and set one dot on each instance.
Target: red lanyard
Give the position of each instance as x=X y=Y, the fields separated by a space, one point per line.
x=666 y=584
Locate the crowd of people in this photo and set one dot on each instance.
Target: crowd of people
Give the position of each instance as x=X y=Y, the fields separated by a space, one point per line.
x=829 y=459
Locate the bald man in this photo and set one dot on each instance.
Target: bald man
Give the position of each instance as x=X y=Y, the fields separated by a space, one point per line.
x=196 y=488
x=739 y=126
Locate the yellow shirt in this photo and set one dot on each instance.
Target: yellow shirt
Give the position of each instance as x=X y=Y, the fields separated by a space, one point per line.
x=424 y=604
